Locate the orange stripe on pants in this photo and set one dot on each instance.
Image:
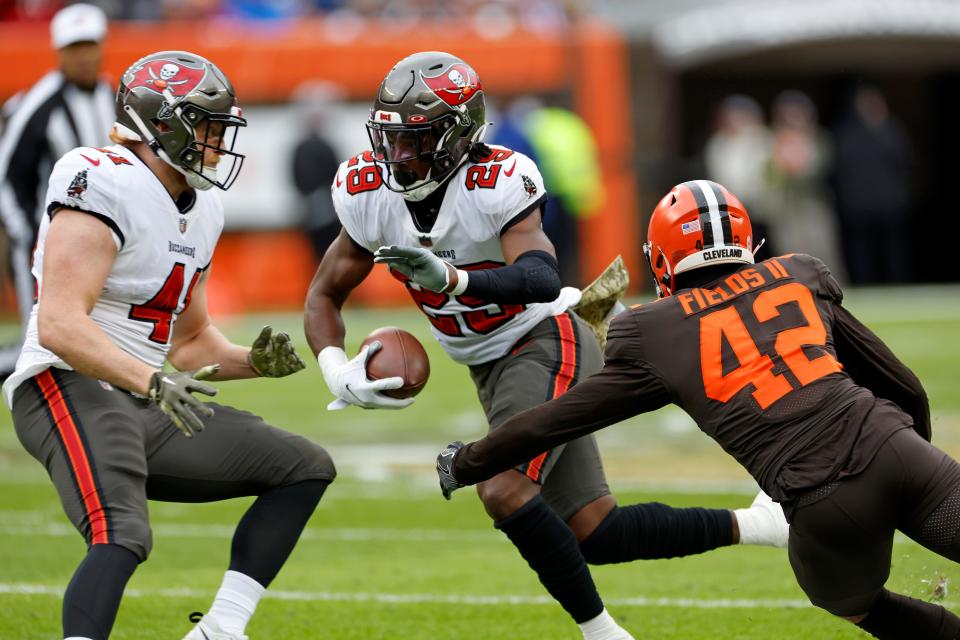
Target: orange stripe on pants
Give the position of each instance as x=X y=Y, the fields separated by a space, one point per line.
x=79 y=462
x=562 y=381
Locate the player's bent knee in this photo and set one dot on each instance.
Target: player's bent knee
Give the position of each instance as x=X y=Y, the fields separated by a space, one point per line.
x=315 y=464
x=136 y=537
x=505 y=493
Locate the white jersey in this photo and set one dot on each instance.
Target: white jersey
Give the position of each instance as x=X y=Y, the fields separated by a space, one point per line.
x=161 y=253
x=481 y=200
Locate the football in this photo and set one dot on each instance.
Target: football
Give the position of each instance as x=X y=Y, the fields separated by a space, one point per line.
x=402 y=355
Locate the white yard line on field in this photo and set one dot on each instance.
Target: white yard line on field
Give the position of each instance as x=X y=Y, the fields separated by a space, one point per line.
x=433 y=598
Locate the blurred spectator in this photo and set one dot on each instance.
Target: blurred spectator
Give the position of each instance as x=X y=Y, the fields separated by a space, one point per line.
x=498 y=16
x=69 y=107
x=509 y=127
x=567 y=155
x=737 y=156
x=872 y=176
x=190 y=9
x=29 y=9
x=265 y=9
x=315 y=162
x=799 y=199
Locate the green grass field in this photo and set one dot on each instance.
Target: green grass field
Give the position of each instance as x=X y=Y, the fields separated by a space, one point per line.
x=386 y=557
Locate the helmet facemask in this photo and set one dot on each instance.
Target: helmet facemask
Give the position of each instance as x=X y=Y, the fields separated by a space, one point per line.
x=439 y=147
x=664 y=283
x=215 y=133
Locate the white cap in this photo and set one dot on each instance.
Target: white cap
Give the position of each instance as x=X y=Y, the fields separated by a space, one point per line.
x=78 y=23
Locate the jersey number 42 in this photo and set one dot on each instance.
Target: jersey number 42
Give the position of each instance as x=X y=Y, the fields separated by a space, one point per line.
x=755 y=368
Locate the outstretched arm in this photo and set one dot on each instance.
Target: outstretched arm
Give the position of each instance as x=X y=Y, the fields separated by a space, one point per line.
x=197 y=342
x=618 y=391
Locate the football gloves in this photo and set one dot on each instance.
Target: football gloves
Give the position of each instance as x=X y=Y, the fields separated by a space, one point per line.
x=347 y=379
x=172 y=391
x=448 y=483
x=273 y=356
x=420 y=265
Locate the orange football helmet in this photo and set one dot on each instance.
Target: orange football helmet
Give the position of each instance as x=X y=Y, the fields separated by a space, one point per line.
x=699 y=223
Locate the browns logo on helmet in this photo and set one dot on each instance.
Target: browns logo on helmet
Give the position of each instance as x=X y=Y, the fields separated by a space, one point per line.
x=697 y=224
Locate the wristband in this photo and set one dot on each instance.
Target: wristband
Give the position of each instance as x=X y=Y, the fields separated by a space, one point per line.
x=462 y=280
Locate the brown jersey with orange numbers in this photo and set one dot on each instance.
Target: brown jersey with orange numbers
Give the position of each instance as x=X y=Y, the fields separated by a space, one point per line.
x=752 y=358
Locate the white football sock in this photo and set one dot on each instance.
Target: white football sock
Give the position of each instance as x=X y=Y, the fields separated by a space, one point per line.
x=235 y=602
x=603 y=627
x=763 y=523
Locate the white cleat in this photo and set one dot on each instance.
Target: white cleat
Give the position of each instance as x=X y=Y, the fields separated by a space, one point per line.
x=604 y=627
x=208 y=629
x=763 y=523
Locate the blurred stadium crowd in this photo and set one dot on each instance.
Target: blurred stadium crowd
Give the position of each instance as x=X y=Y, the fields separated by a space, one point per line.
x=842 y=194
x=539 y=14
x=834 y=142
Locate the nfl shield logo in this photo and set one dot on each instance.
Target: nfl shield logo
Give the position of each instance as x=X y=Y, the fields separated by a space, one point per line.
x=183 y=225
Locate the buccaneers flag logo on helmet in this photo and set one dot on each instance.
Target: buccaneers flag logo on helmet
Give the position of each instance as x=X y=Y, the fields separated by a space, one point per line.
x=454 y=85
x=158 y=75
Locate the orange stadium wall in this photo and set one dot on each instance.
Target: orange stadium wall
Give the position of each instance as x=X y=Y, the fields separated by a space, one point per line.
x=266 y=62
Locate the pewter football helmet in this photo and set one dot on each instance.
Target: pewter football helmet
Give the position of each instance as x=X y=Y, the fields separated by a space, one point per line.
x=162 y=99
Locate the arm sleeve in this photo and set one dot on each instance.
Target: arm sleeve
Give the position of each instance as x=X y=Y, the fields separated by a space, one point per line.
x=77 y=183
x=618 y=391
x=873 y=365
x=533 y=277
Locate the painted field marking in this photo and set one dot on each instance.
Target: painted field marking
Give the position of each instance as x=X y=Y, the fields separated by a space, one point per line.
x=431 y=598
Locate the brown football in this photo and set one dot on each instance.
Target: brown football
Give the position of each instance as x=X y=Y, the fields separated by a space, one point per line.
x=402 y=355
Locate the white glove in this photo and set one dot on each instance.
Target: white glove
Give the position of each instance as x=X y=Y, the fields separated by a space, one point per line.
x=347 y=379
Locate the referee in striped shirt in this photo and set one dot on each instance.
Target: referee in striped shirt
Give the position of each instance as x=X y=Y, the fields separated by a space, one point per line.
x=69 y=107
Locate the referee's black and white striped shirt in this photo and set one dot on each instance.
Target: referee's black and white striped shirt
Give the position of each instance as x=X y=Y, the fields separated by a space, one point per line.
x=40 y=125
x=51 y=118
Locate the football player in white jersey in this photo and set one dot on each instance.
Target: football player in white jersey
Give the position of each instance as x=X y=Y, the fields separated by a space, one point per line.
x=122 y=261
x=459 y=222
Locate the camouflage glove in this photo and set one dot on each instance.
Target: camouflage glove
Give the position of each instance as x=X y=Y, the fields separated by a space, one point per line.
x=172 y=390
x=601 y=296
x=448 y=483
x=273 y=355
x=420 y=265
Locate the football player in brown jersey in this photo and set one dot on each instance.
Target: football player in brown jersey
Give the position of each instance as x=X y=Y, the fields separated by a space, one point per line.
x=771 y=365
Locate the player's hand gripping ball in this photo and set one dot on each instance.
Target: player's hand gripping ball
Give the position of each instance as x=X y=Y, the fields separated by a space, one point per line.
x=402 y=356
